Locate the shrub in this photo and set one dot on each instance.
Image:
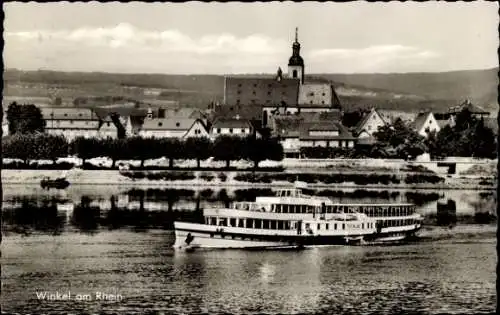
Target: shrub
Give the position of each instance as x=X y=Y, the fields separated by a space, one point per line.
x=206 y=193
x=207 y=177
x=419 y=198
x=420 y=178
x=222 y=177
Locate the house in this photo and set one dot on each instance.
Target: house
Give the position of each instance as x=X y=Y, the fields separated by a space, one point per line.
x=475 y=110
x=296 y=133
x=425 y=123
x=71 y=122
x=369 y=124
x=287 y=129
x=172 y=128
x=326 y=134
x=333 y=115
x=107 y=129
x=132 y=125
x=231 y=127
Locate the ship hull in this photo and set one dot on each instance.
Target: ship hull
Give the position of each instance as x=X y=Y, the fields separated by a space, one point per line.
x=189 y=236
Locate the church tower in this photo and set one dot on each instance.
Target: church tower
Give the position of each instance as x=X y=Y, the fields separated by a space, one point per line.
x=296 y=63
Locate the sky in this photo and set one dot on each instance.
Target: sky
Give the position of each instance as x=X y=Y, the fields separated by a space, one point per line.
x=225 y=38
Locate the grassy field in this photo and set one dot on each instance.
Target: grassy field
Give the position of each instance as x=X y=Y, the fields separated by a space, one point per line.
x=408 y=92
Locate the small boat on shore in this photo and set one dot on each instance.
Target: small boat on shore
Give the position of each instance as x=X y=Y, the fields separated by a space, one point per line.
x=294 y=219
x=59 y=183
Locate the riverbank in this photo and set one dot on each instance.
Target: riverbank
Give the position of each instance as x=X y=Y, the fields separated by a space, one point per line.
x=226 y=180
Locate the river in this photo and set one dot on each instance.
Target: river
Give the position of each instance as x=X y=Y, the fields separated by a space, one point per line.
x=102 y=257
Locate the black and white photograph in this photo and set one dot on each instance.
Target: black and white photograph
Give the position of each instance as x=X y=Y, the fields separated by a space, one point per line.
x=249 y=158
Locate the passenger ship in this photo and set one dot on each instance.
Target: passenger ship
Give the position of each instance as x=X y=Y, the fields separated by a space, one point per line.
x=294 y=219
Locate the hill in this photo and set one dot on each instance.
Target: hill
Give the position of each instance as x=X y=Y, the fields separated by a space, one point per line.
x=401 y=91
x=480 y=86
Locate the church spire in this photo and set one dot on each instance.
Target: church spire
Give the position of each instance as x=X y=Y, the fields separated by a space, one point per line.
x=296 y=63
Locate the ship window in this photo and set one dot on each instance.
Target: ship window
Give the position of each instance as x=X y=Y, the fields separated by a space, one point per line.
x=241 y=222
x=335 y=226
x=280 y=225
x=273 y=224
x=223 y=222
x=343 y=226
x=249 y=224
x=319 y=226
x=232 y=222
x=278 y=208
x=265 y=224
x=327 y=226
x=362 y=225
x=213 y=221
x=258 y=223
x=211 y=234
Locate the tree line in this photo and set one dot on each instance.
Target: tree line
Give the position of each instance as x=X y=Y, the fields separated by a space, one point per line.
x=41 y=146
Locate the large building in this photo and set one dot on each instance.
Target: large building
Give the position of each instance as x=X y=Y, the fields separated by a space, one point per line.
x=71 y=122
x=279 y=94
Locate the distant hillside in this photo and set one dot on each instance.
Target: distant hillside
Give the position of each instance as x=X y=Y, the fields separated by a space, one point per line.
x=402 y=91
x=478 y=85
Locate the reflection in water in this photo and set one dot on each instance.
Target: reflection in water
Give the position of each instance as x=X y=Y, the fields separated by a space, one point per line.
x=34 y=215
x=143 y=209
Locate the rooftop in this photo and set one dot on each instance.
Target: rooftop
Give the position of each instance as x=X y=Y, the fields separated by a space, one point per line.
x=231 y=123
x=178 y=124
x=420 y=120
x=361 y=124
x=474 y=109
x=68 y=113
